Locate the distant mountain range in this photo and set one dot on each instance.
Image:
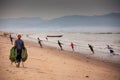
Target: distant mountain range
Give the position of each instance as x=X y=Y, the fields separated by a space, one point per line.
x=112 y=19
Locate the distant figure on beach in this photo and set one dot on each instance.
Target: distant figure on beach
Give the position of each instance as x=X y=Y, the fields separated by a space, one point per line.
x=47 y=38
x=91 y=48
x=39 y=42
x=11 y=39
x=60 y=44
x=72 y=46
x=19 y=45
x=111 y=50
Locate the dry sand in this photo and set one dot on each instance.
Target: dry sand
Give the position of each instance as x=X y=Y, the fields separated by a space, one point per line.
x=52 y=64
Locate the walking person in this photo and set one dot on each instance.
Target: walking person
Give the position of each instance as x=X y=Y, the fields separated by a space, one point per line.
x=111 y=50
x=39 y=42
x=11 y=39
x=72 y=46
x=19 y=45
x=91 y=48
x=60 y=45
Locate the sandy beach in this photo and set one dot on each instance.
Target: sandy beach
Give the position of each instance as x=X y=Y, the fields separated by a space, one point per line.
x=52 y=64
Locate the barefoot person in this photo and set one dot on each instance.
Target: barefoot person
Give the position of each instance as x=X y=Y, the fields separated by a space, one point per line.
x=39 y=42
x=19 y=45
x=11 y=39
x=60 y=45
x=91 y=48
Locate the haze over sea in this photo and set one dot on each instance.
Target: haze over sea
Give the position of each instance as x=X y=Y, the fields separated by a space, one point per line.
x=72 y=23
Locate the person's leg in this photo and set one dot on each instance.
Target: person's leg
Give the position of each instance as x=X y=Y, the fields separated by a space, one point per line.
x=92 y=50
x=22 y=63
x=61 y=47
x=40 y=45
x=18 y=58
x=72 y=48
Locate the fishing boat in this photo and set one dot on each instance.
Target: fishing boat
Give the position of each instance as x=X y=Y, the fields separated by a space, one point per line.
x=54 y=35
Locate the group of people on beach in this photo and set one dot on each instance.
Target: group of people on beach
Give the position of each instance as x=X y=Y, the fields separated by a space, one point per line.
x=59 y=43
x=72 y=46
x=108 y=47
x=19 y=45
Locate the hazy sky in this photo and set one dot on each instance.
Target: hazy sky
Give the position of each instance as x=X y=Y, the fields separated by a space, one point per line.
x=48 y=9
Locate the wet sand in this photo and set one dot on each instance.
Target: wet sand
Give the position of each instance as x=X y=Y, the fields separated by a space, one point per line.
x=52 y=64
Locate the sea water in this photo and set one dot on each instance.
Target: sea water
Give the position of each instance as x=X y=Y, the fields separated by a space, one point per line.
x=81 y=41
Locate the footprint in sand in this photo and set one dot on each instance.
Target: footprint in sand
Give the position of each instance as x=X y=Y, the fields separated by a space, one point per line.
x=19 y=79
x=40 y=72
x=87 y=76
x=87 y=61
x=7 y=70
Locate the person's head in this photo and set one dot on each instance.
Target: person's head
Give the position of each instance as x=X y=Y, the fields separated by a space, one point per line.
x=19 y=36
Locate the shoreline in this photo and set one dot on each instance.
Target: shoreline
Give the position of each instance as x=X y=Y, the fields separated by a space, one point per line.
x=49 y=63
x=82 y=53
x=85 y=54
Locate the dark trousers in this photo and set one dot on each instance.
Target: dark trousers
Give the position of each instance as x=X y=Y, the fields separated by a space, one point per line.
x=19 y=52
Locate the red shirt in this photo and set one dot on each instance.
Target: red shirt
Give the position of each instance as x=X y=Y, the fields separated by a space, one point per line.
x=72 y=45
